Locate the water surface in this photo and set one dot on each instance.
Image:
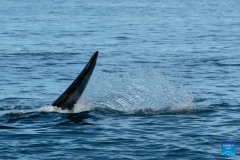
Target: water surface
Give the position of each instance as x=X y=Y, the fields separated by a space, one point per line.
x=166 y=84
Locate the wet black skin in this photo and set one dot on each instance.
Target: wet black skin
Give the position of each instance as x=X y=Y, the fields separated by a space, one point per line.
x=75 y=90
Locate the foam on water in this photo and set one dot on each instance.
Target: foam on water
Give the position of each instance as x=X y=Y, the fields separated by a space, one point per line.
x=52 y=109
x=80 y=106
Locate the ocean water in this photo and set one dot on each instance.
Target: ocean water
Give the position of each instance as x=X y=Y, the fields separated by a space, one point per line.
x=165 y=86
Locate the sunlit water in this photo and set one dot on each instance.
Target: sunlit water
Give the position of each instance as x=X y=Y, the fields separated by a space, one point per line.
x=165 y=86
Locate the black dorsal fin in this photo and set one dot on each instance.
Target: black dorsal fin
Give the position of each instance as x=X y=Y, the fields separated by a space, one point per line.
x=75 y=90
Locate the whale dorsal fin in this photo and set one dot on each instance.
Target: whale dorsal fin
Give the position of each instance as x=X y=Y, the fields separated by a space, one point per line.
x=75 y=90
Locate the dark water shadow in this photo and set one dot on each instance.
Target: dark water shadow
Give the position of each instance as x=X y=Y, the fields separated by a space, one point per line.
x=79 y=118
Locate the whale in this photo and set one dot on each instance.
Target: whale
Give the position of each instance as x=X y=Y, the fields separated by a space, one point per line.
x=72 y=94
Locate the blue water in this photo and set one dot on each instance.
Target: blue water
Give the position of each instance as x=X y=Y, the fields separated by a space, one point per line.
x=166 y=84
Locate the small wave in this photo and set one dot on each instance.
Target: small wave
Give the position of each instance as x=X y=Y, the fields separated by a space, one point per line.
x=185 y=110
x=13 y=117
x=221 y=104
x=181 y=109
x=7 y=127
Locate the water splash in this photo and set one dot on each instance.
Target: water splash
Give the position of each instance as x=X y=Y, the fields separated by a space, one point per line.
x=52 y=109
x=137 y=90
x=80 y=106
